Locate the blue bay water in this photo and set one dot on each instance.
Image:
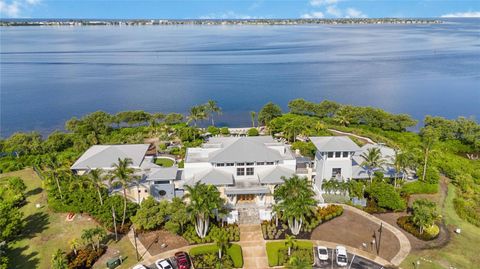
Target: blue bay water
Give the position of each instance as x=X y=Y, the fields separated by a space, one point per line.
x=50 y=74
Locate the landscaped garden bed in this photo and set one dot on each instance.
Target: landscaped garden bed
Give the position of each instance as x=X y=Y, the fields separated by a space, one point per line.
x=277 y=252
x=164 y=162
x=232 y=231
x=429 y=233
x=207 y=257
x=272 y=231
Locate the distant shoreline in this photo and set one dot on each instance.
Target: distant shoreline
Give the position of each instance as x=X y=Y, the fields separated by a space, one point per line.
x=160 y=22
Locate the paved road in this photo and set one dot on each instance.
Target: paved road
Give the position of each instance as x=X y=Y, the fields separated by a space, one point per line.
x=354 y=262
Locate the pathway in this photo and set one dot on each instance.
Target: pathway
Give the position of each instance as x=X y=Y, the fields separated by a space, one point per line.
x=253 y=246
x=370 y=141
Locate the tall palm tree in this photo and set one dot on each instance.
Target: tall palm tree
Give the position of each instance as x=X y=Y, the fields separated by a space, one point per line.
x=298 y=263
x=290 y=243
x=212 y=107
x=429 y=138
x=123 y=174
x=295 y=201
x=203 y=201
x=95 y=178
x=222 y=241
x=253 y=114
x=197 y=113
x=292 y=129
x=402 y=162
x=55 y=169
x=372 y=160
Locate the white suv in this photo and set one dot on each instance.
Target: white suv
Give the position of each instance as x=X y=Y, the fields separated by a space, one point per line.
x=341 y=253
x=322 y=253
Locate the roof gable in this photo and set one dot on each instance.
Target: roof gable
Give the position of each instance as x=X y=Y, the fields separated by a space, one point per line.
x=334 y=143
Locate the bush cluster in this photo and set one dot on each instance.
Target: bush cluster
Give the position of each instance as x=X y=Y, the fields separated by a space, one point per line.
x=302 y=253
x=428 y=233
x=191 y=236
x=277 y=252
x=85 y=257
x=271 y=231
x=323 y=214
x=207 y=257
x=385 y=196
x=418 y=187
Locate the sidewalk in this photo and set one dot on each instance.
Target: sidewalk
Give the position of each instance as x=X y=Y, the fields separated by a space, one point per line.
x=253 y=247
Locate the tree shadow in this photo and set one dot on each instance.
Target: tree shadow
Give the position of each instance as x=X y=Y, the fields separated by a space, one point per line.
x=35 y=224
x=33 y=192
x=20 y=260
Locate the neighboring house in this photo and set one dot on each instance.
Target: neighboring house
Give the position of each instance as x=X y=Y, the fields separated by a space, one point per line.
x=245 y=170
x=339 y=158
x=153 y=179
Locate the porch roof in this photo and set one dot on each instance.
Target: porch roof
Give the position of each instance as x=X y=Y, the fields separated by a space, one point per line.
x=250 y=190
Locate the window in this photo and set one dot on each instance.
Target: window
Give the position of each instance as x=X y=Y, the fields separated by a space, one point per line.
x=240 y=164
x=338 y=154
x=345 y=154
x=336 y=172
x=330 y=154
x=269 y=163
x=249 y=164
x=250 y=171
x=162 y=182
x=230 y=164
x=146 y=191
x=220 y=164
x=240 y=171
x=260 y=163
x=162 y=193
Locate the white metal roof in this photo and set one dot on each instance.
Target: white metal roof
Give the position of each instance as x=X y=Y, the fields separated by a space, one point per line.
x=334 y=143
x=104 y=156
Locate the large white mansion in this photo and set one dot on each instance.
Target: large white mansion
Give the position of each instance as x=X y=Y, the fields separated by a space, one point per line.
x=245 y=170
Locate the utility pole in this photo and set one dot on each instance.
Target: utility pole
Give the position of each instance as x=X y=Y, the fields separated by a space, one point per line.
x=379 y=237
x=114 y=224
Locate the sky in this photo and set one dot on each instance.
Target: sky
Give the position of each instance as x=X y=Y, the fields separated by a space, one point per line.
x=236 y=9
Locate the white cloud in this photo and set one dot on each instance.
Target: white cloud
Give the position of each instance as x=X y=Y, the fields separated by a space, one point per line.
x=226 y=15
x=16 y=8
x=317 y=3
x=354 y=13
x=334 y=11
x=313 y=15
x=468 y=14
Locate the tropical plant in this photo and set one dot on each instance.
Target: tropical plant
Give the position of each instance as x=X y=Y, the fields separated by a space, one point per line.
x=59 y=260
x=74 y=243
x=424 y=214
x=212 y=107
x=268 y=113
x=123 y=174
x=372 y=160
x=402 y=162
x=429 y=138
x=221 y=239
x=290 y=243
x=54 y=168
x=95 y=178
x=204 y=200
x=298 y=263
x=253 y=114
x=197 y=113
x=294 y=202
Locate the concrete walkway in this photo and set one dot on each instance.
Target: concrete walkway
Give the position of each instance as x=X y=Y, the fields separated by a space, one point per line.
x=253 y=247
x=405 y=246
x=370 y=141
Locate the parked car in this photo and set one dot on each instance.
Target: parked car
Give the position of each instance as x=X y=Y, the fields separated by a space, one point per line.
x=183 y=261
x=163 y=264
x=322 y=253
x=139 y=266
x=341 y=254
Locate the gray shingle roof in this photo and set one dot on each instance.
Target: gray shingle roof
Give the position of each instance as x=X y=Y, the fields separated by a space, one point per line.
x=334 y=143
x=274 y=175
x=104 y=156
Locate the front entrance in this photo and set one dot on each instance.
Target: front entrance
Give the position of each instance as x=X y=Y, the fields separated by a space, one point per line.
x=245 y=198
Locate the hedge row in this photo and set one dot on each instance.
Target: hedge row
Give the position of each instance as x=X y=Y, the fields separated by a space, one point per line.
x=234 y=253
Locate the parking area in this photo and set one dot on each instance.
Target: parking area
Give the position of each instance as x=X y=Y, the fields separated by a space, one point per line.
x=354 y=262
x=172 y=261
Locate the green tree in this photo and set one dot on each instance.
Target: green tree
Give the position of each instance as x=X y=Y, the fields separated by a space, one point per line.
x=55 y=168
x=221 y=239
x=16 y=185
x=290 y=243
x=11 y=221
x=197 y=113
x=151 y=215
x=123 y=175
x=429 y=138
x=402 y=162
x=294 y=202
x=90 y=128
x=253 y=114
x=268 y=113
x=178 y=216
x=204 y=200
x=252 y=132
x=23 y=143
x=424 y=214
x=294 y=128
x=212 y=107
x=372 y=160
x=59 y=260
x=173 y=118
x=298 y=263
x=74 y=244
x=95 y=178
x=385 y=196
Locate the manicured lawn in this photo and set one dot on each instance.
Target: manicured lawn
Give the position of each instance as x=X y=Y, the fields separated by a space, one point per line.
x=46 y=231
x=274 y=247
x=462 y=250
x=234 y=251
x=164 y=162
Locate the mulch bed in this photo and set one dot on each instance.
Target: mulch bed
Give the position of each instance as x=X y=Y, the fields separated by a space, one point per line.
x=153 y=241
x=353 y=230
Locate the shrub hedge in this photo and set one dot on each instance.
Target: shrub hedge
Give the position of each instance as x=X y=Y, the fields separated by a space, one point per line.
x=191 y=236
x=277 y=252
x=428 y=233
x=207 y=257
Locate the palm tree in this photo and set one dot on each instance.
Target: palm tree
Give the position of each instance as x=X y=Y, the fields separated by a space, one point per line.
x=402 y=161
x=372 y=159
x=74 y=244
x=95 y=178
x=55 y=168
x=292 y=129
x=252 y=117
x=212 y=107
x=290 y=243
x=123 y=175
x=87 y=237
x=197 y=113
x=203 y=201
x=59 y=260
x=298 y=263
x=222 y=241
x=429 y=138
x=295 y=201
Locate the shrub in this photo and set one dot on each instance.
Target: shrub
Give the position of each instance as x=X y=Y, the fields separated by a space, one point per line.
x=207 y=257
x=419 y=187
x=430 y=233
x=432 y=175
x=277 y=252
x=213 y=130
x=224 y=131
x=252 y=132
x=191 y=236
x=385 y=196
x=85 y=257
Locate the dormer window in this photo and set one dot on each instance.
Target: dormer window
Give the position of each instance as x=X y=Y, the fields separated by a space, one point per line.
x=338 y=154
x=330 y=154
x=345 y=154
